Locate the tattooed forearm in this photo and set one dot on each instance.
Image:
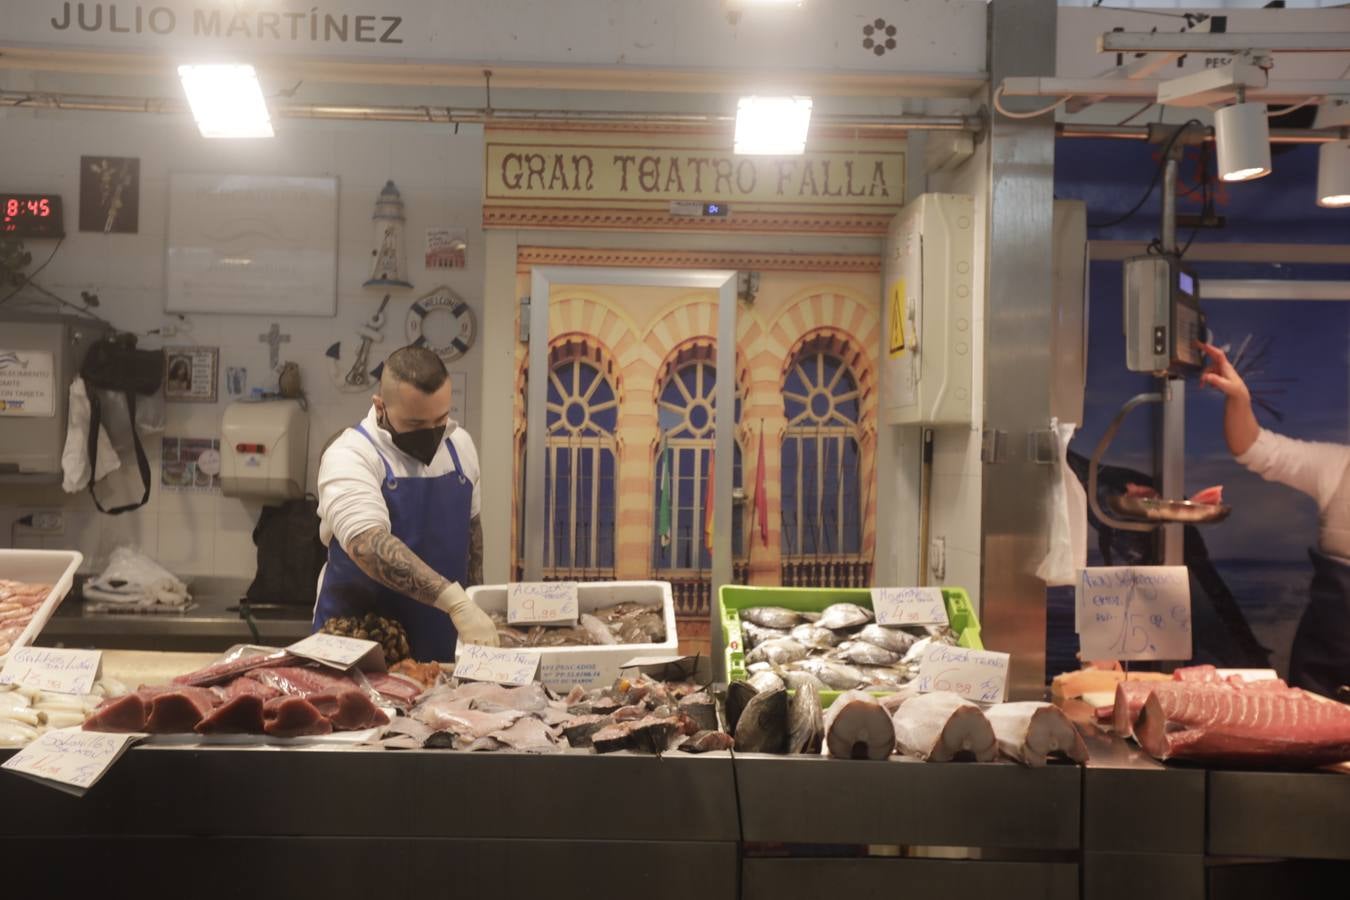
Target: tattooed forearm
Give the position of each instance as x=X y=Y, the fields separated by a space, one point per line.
x=475 y=551
x=389 y=561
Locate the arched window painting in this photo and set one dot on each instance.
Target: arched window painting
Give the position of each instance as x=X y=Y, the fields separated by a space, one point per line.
x=684 y=411
x=579 y=476
x=821 y=500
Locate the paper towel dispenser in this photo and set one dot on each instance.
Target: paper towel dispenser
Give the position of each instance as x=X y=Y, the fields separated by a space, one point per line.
x=264 y=447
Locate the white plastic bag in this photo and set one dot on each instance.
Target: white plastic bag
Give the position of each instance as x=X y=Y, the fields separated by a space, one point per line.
x=134 y=579
x=75 y=455
x=1068 y=517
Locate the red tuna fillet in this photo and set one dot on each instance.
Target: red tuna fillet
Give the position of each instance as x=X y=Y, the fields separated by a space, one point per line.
x=214 y=674
x=242 y=685
x=1262 y=727
x=177 y=711
x=1210 y=496
x=122 y=714
x=349 y=710
x=241 y=715
x=301 y=682
x=1205 y=674
x=293 y=717
x=391 y=687
x=1130 y=697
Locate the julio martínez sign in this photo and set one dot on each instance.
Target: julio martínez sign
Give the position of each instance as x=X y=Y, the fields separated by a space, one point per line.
x=276 y=26
x=634 y=171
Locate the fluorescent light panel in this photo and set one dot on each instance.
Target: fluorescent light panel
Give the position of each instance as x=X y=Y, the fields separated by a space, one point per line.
x=772 y=126
x=226 y=100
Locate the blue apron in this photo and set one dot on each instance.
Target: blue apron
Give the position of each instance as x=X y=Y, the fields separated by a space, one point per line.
x=1320 y=660
x=431 y=516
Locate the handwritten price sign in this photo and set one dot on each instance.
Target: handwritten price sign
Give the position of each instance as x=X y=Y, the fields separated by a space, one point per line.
x=337 y=651
x=980 y=676
x=541 y=602
x=1134 y=612
x=48 y=669
x=504 y=666
x=909 y=606
x=70 y=756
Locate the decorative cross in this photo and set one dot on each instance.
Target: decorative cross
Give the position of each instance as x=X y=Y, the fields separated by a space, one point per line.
x=274 y=339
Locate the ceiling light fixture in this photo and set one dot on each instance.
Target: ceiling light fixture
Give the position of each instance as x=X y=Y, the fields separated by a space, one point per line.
x=226 y=100
x=1333 y=173
x=1242 y=138
x=772 y=126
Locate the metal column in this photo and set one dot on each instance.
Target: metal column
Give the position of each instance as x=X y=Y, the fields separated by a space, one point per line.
x=1172 y=422
x=1017 y=349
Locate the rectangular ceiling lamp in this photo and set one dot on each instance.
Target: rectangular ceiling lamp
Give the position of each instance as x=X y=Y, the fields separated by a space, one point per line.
x=226 y=100
x=772 y=126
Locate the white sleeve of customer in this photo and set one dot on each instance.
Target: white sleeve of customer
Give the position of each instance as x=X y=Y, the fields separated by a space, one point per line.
x=1313 y=468
x=350 y=500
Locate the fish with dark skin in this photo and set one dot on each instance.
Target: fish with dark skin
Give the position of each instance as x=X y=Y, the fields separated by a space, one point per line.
x=763 y=725
x=806 y=722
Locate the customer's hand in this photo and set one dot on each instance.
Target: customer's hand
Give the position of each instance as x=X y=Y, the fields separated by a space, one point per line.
x=1220 y=375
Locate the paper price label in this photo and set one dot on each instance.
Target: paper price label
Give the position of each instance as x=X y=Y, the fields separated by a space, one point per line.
x=335 y=650
x=541 y=602
x=978 y=675
x=909 y=606
x=1134 y=612
x=70 y=756
x=50 y=669
x=502 y=665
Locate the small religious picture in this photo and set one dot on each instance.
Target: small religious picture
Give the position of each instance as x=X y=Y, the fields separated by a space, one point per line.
x=190 y=464
x=446 y=247
x=190 y=373
x=110 y=194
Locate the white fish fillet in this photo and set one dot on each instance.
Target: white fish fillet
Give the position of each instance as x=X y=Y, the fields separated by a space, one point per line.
x=942 y=727
x=1029 y=732
x=856 y=727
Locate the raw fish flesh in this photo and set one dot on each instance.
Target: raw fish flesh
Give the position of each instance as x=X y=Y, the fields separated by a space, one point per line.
x=528 y=735
x=942 y=727
x=123 y=714
x=349 y=710
x=701 y=710
x=1029 y=732
x=578 y=730
x=707 y=741
x=856 y=727
x=224 y=671
x=242 y=714
x=293 y=717
x=179 y=710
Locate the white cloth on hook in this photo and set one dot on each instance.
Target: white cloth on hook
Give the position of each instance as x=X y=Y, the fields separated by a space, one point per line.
x=75 y=455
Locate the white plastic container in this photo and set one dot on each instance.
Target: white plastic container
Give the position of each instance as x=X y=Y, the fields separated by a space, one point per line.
x=54 y=567
x=594 y=665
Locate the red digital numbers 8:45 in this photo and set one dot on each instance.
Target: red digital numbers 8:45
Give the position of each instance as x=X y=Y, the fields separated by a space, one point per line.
x=31 y=215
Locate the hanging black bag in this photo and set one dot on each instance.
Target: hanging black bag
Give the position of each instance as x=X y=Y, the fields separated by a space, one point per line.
x=116 y=365
x=290 y=554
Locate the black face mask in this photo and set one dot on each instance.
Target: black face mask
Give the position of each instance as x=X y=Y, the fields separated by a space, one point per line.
x=420 y=444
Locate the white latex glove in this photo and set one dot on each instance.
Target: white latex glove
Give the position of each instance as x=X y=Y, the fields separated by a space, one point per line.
x=474 y=625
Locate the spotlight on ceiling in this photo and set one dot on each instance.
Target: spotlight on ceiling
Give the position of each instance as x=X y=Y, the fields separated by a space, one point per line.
x=1242 y=137
x=1333 y=173
x=226 y=100
x=772 y=126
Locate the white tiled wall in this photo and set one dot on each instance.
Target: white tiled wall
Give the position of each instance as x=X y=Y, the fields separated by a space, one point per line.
x=439 y=174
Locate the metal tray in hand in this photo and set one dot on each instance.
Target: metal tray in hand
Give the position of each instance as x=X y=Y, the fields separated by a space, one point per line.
x=1154 y=509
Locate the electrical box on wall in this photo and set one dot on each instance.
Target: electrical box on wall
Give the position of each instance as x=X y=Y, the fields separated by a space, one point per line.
x=263 y=450
x=927 y=310
x=40 y=356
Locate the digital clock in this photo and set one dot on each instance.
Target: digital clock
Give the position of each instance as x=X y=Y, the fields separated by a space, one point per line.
x=31 y=216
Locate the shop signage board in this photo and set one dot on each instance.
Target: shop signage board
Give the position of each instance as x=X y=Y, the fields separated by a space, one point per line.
x=503 y=665
x=69 y=759
x=59 y=671
x=27 y=383
x=909 y=606
x=980 y=676
x=541 y=602
x=1134 y=612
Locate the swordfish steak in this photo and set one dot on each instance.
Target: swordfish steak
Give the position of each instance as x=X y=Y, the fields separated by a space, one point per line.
x=1213 y=723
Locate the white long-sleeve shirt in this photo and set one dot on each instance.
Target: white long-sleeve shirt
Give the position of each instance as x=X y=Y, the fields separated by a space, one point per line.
x=351 y=475
x=1322 y=471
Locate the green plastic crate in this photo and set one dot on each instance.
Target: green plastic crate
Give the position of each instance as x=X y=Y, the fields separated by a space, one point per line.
x=732 y=598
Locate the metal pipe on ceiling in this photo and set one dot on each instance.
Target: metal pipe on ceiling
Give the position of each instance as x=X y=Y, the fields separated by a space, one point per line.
x=1146 y=132
x=452 y=116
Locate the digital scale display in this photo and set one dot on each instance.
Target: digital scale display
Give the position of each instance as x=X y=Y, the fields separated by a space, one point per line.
x=31 y=216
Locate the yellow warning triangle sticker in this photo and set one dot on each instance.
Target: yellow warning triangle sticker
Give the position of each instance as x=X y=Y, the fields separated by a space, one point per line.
x=897 y=318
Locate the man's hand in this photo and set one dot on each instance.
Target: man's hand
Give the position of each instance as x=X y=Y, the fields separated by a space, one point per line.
x=1221 y=375
x=474 y=625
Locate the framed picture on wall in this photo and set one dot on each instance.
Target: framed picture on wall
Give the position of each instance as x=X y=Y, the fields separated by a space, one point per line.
x=190 y=374
x=110 y=194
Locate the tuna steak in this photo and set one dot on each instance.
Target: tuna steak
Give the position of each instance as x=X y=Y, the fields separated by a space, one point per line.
x=179 y=711
x=125 y=714
x=241 y=715
x=293 y=717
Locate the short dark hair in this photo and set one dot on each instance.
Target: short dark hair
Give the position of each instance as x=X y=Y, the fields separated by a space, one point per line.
x=417 y=366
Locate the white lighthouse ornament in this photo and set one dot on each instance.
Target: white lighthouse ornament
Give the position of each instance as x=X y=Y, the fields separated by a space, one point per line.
x=390 y=266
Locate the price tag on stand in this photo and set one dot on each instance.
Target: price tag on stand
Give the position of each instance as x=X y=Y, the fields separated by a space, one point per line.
x=978 y=675
x=909 y=606
x=542 y=603
x=1134 y=612
x=70 y=759
x=340 y=652
x=55 y=670
x=500 y=664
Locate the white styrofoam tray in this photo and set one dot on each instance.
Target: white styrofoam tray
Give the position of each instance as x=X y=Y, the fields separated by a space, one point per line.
x=594 y=665
x=54 y=567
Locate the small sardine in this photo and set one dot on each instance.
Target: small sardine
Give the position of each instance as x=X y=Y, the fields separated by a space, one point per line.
x=861 y=653
x=837 y=676
x=756 y=635
x=778 y=652
x=892 y=639
x=815 y=637
x=840 y=616
x=796 y=680
x=771 y=617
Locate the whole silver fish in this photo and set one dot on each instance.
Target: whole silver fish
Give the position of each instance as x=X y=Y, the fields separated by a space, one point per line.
x=771 y=617
x=766 y=681
x=887 y=678
x=892 y=639
x=837 y=676
x=916 y=653
x=840 y=616
x=778 y=652
x=861 y=653
x=806 y=722
x=796 y=680
x=815 y=637
x=756 y=634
